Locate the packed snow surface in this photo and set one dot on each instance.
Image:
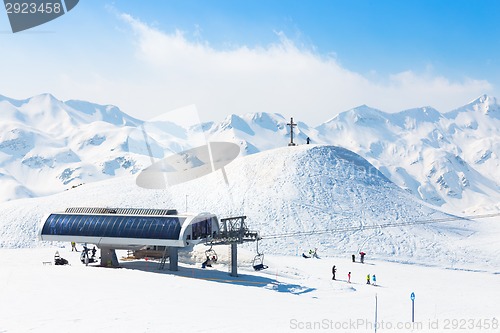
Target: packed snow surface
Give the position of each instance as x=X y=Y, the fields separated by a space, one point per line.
x=294 y=294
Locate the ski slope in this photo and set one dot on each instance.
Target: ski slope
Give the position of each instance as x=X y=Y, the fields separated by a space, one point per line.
x=294 y=294
x=328 y=192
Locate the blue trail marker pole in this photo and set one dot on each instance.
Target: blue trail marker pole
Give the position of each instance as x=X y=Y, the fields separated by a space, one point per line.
x=412 y=297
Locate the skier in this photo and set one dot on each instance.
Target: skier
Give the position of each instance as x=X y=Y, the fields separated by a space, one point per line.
x=314 y=253
x=73 y=247
x=93 y=252
x=334 y=270
x=374 y=280
x=362 y=256
x=207 y=263
x=353 y=258
x=308 y=140
x=368 y=279
x=84 y=257
x=349 y=277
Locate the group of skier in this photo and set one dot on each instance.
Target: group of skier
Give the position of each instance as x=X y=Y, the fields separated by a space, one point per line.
x=312 y=254
x=372 y=278
x=369 y=279
x=361 y=257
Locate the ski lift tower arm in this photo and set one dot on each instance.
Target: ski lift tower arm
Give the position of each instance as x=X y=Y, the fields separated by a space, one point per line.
x=234 y=231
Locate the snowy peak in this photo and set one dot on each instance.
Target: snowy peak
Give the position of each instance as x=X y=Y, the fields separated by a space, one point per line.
x=419 y=115
x=236 y=122
x=256 y=132
x=361 y=115
x=44 y=105
x=41 y=110
x=265 y=120
x=483 y=105
x=76 y=141
x=47 y=145
x=107 y=113
x=252 y=122
x=369 y=117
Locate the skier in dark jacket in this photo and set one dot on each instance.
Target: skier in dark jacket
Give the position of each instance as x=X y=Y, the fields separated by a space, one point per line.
x=334 y=270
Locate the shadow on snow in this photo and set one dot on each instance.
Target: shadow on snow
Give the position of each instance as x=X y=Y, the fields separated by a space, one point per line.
x=218 y=276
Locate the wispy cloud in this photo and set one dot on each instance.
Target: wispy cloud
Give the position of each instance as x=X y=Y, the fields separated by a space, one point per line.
x=282 y=77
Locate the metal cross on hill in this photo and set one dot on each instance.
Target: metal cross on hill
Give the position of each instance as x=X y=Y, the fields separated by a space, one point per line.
x=292 y=125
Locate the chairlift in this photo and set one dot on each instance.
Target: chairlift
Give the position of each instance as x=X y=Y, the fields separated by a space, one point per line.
x=258 y=261
x=211 y=254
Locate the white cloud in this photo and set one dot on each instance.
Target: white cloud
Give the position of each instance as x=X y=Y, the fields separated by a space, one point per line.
x=160 y=71
x=281 y=77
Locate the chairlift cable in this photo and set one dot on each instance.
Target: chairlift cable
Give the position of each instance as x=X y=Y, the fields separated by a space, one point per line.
x=385 y=225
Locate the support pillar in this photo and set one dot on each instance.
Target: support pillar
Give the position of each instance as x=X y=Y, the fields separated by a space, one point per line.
x=108 y=257
x=234 y=259
x=173 y=255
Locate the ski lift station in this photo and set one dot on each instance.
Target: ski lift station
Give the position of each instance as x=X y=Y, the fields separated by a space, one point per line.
x=111 y=229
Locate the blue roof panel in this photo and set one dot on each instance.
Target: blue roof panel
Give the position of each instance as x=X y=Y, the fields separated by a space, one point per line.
x=114 y=226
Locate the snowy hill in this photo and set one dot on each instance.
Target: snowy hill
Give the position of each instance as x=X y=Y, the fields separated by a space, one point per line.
x=449 y=160
x=301 y=189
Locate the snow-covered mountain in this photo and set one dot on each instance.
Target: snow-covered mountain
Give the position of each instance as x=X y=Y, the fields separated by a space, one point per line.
x=449 y=158
x=446 y=159
x=309 y=189
x=47 y=146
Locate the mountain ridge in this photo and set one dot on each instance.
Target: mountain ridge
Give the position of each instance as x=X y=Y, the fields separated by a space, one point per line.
x=442 y=158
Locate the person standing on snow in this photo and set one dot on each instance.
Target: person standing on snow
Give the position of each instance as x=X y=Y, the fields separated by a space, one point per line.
x=349 y=277
x=334 y=270
x=362 y=257
x=368 y=279
x=374 y=280
x=73 y=247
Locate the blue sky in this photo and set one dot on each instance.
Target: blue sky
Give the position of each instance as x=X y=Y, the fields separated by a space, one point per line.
x=307 y=59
